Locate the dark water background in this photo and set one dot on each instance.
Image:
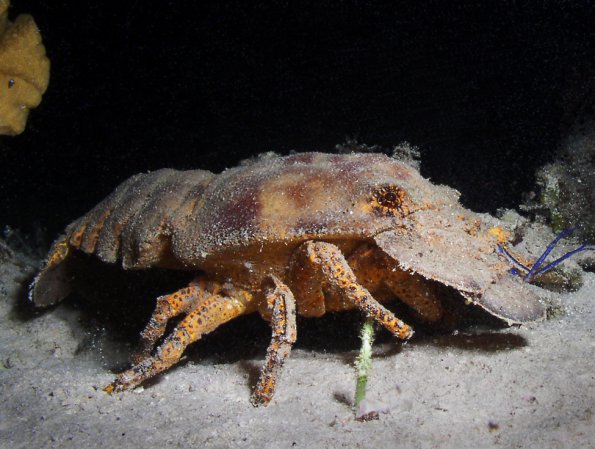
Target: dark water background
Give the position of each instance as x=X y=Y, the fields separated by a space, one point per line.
x=485 y=89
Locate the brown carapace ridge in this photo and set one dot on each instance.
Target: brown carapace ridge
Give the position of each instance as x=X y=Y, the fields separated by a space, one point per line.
x=303 y=234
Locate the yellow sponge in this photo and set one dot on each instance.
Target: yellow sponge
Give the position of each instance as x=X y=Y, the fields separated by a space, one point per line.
x=24 y=70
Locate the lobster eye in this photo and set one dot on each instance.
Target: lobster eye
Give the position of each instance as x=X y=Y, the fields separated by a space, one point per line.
x=390 y=200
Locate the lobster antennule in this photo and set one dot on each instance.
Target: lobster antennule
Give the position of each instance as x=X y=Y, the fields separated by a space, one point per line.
x=514 y=260
x=550 y=247
x=536 y=269
x=561 y=259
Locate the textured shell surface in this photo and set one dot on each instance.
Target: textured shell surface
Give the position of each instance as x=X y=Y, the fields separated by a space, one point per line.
x=300 y=197
x=244 y=225
x=183 y=218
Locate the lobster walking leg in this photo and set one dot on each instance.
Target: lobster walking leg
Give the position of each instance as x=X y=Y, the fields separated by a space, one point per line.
x=208 y=314
x=281 y=303
x=168 y=307
x=336 y=275
x=374 y=269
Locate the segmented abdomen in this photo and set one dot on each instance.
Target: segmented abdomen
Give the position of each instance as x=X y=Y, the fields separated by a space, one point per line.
x=134 y=223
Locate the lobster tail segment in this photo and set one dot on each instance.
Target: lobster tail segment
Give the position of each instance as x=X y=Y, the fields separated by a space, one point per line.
x=53 y=283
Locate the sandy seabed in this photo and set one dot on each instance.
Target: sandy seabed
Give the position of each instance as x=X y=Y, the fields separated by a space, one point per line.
x=521 y=387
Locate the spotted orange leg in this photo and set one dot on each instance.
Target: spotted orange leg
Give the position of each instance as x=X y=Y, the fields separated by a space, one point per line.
x=316 y=266
x=168 y=307
x=324 y=263
x=209 y=312
x=374 y=269
x=281 y=306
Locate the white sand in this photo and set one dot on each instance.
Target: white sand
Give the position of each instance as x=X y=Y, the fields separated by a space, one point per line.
x=529 y=387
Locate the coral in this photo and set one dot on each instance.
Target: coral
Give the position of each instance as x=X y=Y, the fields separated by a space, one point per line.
x=24 y=70
x=566 y=198
x=568 y=185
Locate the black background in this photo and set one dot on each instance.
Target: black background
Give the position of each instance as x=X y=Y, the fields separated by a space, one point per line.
x=485 y=89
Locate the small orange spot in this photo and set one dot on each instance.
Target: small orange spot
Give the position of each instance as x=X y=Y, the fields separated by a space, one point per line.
x=473 y=228
x=58 y=254
x=77 y=236
x=500 y=234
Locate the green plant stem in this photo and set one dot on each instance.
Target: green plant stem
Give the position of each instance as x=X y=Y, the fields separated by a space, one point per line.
x=363 y=362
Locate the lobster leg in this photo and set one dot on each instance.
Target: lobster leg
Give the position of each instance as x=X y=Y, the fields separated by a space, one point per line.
x=337 y=277
x=374 y=269
x=168 y=307
x=209 y=313
x=281 y=304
